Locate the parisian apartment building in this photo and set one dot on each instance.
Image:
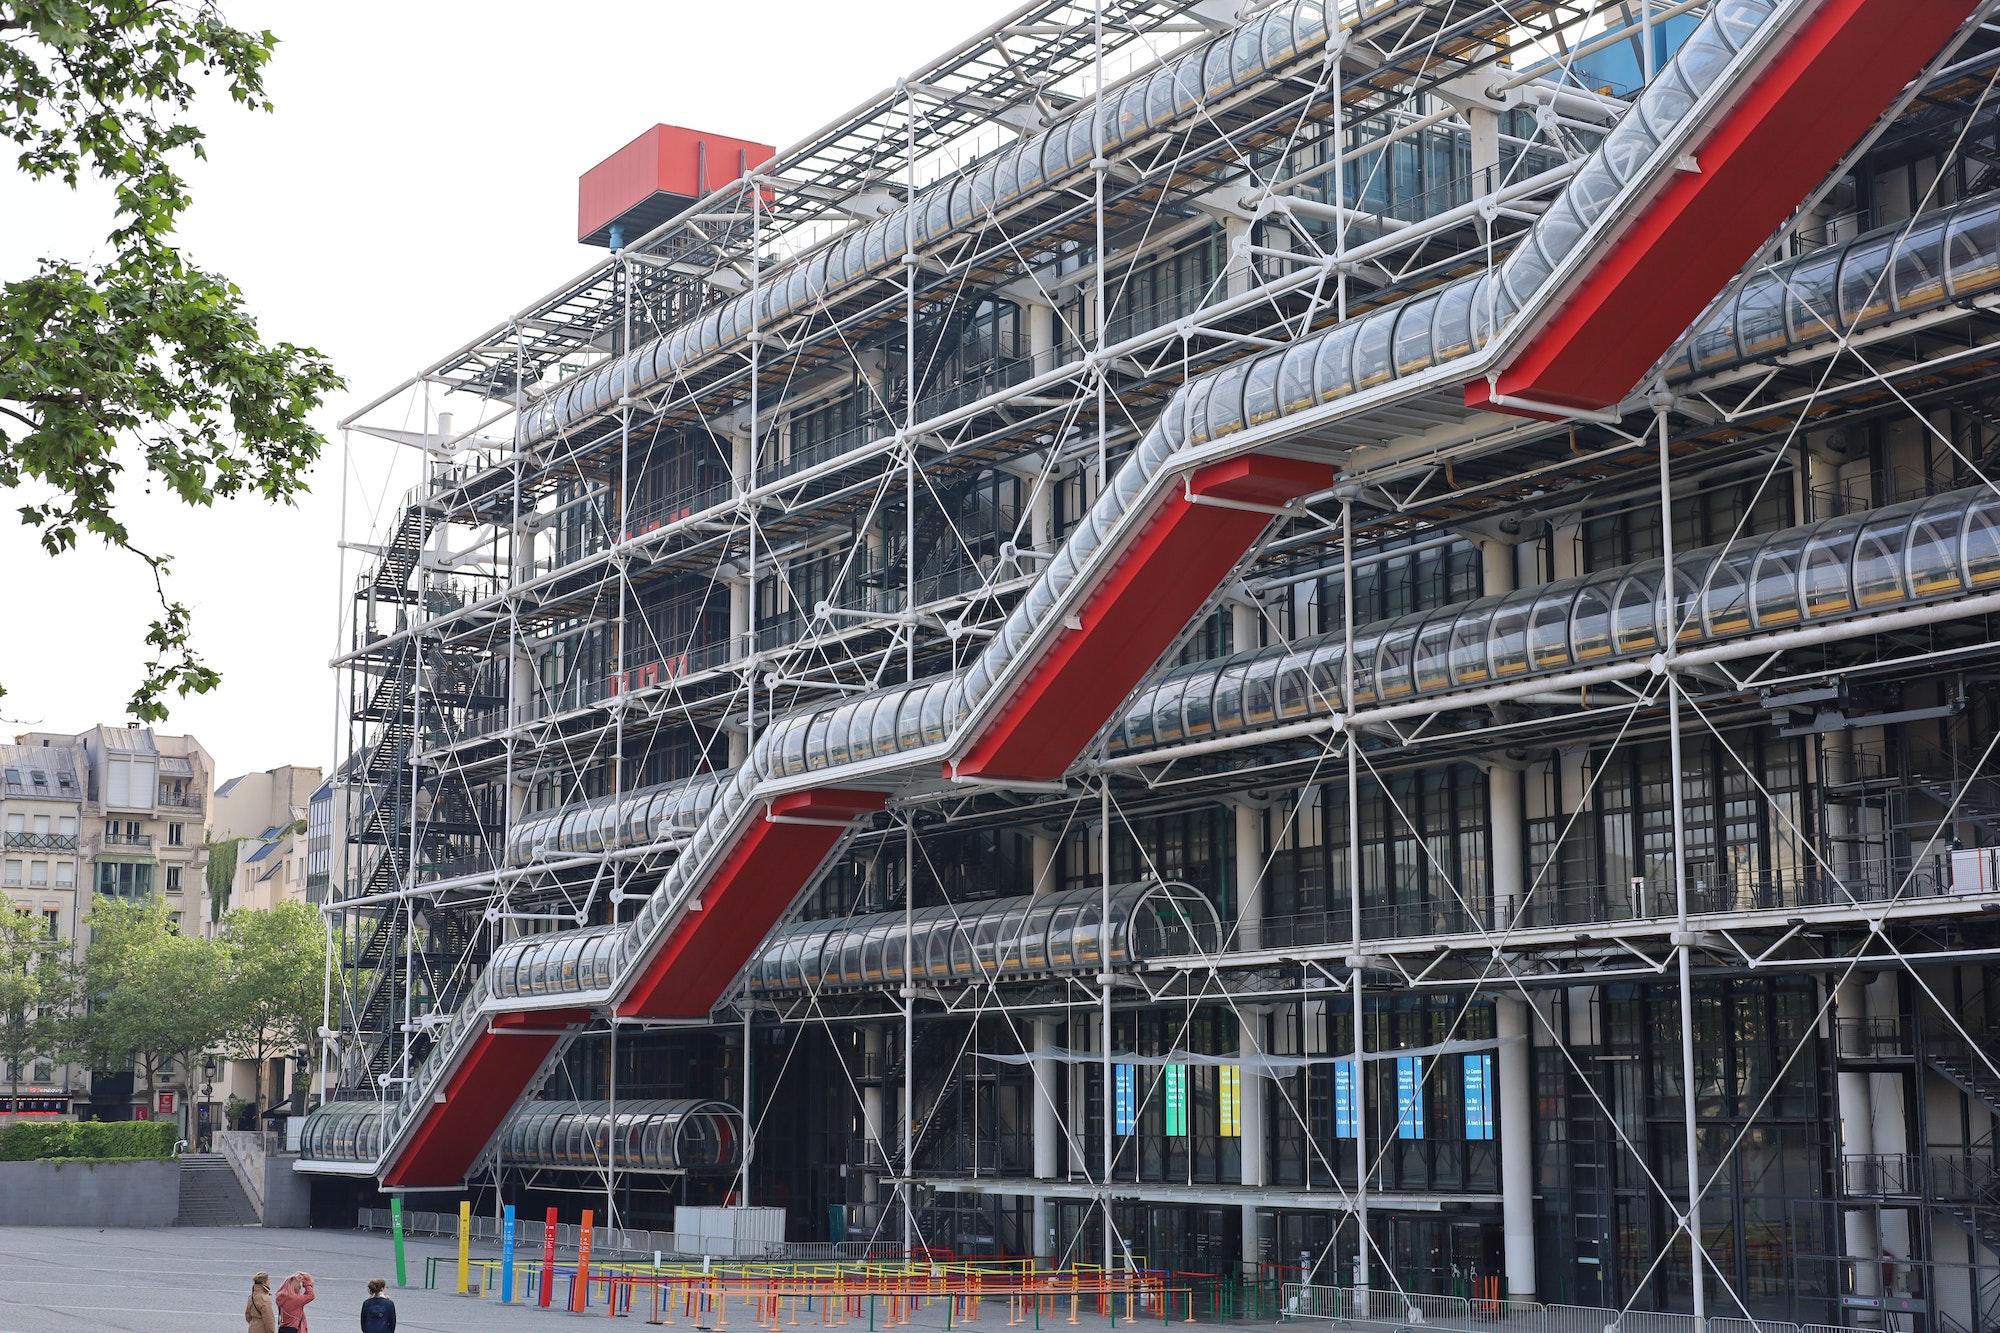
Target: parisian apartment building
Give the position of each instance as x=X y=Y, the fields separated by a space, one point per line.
x=117 y=812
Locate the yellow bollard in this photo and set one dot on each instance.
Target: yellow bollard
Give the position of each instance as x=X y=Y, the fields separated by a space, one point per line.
x=464 y=1243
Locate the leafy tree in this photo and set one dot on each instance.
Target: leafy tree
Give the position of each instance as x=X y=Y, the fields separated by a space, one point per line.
x=150 y=994
x=143 y=353
x=34 y=988
x=276 y=984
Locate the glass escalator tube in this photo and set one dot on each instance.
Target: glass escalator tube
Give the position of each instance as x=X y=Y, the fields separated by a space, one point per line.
x=1007 y=937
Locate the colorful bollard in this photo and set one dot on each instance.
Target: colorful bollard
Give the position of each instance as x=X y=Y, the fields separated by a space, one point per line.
x=464 y=1245
x=507 y=1255
x=396 y=1230
x=548 y=1259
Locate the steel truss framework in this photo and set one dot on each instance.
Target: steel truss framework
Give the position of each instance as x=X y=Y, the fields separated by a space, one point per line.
x=603 y=590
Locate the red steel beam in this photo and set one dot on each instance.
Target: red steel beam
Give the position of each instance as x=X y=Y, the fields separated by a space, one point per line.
x=1139 y=605
x=757 y=880
x=1784 y=133
x=465 y=1115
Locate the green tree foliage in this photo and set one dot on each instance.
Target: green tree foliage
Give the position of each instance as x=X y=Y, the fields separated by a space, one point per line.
x=149 y=994
x=144 y=354
x=277 y=983
x=34 y=991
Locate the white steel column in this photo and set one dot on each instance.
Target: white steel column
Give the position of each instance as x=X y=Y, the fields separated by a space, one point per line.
x=908 y=994
x=1250 y=1122
x=1517 y=1143
x=749 y=1107
x=1857 y=1137
x=1508 y=843
x=1889 y=1117
x=1250 y=1034
x=742 y=589
x=1236 y=254
x=1355 y=958
x=1484 y=124
x=1245 y=621
x=1042 y=849
x=1045 y=1032
x=873 y=1051
x=1506 y=820
x=1683 y=936
x=1048 y=1126
x=1249 y=873
x=1104 y=1014
x=1040 y=318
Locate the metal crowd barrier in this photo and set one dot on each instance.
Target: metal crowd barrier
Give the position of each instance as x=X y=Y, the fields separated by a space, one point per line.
x=1417 y=1313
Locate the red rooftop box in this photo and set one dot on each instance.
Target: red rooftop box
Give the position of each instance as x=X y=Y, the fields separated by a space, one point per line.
x=656 y=176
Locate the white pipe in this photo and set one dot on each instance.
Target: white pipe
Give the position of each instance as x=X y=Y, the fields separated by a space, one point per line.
x=1837 y=631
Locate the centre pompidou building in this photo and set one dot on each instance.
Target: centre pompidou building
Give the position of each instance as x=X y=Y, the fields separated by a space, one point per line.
x=1240 y=638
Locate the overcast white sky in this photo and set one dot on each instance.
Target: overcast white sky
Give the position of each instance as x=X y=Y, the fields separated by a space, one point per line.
x=416 y=184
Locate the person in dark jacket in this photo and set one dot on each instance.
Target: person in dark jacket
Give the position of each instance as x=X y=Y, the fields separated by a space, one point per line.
x=378 y=1312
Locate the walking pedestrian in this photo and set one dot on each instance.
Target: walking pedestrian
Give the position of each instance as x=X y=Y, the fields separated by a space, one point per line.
x=294 y=1295
x=259 y=1312
x=378 y=1312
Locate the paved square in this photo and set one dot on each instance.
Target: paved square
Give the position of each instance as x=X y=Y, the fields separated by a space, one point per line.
x=195 y=1279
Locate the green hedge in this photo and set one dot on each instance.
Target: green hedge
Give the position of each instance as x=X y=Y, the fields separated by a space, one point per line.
x=40 y=1141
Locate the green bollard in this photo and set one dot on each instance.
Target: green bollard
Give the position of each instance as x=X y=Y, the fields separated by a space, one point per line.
x=396 y=1230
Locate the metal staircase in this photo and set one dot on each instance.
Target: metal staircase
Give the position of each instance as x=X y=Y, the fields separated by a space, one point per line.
x=1958 y=1063
x=1967 y=1190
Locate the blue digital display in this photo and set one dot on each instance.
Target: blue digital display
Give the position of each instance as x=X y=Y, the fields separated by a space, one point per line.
x=1409 y=1096
x=1346 y=1119
x=1125 y=1113
x=1479 y=1096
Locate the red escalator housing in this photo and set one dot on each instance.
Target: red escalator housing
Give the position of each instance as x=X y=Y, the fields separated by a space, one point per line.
x=742 y=900
x=459 y=1124
x=1814 y=100
x=1153 y=587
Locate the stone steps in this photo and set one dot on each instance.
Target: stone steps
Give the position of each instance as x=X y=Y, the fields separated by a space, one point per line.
x=211 y=1195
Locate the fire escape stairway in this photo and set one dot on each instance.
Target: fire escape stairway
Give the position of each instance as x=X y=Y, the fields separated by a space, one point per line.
x=1955 y=784
x=1961 y=1065
x=1968 y=1192
x=1174 y=523
x=445 y=959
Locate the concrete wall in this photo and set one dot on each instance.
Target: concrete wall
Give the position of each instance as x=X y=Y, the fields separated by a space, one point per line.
x=287 y=1194
x=281 y=1196
x=90 y=1194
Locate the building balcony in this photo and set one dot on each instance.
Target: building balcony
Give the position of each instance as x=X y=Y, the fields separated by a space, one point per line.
x=42 y=842
x=140 y=840
x=191 y=801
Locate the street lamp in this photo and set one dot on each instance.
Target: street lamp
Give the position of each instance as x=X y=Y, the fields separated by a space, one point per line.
x=207 y=1090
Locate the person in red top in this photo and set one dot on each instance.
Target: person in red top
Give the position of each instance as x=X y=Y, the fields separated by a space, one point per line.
x=293 y=1296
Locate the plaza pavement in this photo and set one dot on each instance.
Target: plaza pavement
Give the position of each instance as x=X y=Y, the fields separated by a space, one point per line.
x=195 y=1279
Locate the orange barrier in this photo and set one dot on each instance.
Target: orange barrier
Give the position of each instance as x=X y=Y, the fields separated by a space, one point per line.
x=773 y=1303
